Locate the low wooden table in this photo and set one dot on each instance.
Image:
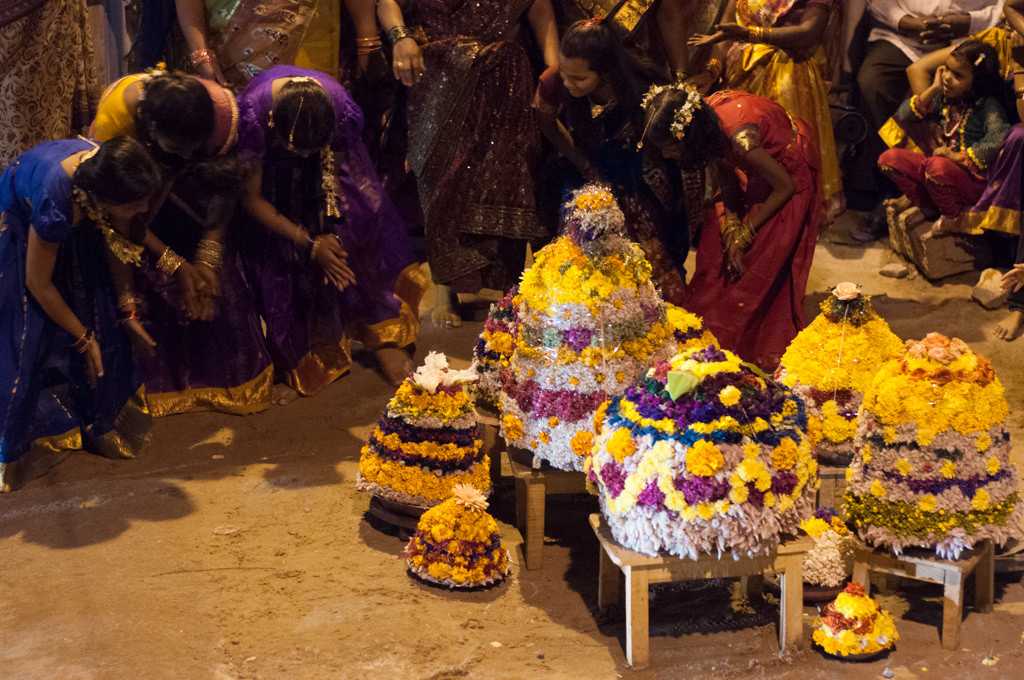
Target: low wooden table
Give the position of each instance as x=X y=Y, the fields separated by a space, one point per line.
x=641 y=571
x=489 y=426
x=532 y=488
x=951 y=575
x=833 y=486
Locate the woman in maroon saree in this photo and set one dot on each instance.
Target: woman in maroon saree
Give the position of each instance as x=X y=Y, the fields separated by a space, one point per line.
x=757 y=244
x=473 y=142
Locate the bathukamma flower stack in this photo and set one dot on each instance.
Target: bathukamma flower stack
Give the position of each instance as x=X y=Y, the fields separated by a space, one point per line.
x=589 y=322
x=704 y=455
x=932 y=467
x=494 y=349
x=458 y=544
x=853 y=625
x=827 y=564
x=427 y=441
x=830 y=364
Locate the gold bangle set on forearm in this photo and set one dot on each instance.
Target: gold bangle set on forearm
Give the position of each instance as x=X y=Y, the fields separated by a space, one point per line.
x=210 y=252
x=170 y=262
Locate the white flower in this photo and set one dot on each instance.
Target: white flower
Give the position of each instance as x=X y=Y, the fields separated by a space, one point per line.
x=846 y=291
x=431 y=374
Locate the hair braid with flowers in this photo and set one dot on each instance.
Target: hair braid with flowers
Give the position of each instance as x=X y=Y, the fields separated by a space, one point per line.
x=682 y=117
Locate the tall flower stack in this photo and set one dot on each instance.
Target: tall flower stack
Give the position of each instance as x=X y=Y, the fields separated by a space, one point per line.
x=427 y=441
x=494 y=348
x=854 y=626
x=932 y=466
x=704 y=456
x=830 y=364
x=458 y=544
x=589 y=321
x=827 y=564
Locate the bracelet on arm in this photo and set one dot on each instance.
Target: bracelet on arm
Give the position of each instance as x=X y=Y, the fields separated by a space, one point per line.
x=368 y=45
x=83 y=342
x=398 y=33
x=170 y=262
x=201 y=56
x=714 y=67
x=314 y=245
x=210 y=252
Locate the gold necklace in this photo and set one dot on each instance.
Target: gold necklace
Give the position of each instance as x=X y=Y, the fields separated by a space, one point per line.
x=123 y=249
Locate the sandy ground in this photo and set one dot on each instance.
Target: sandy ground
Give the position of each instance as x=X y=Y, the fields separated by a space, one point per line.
x=238 y=548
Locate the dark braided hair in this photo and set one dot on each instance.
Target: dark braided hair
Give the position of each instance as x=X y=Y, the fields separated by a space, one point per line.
x=704 y=140
x=121 y=171
x=179 y=108
x=304 y=117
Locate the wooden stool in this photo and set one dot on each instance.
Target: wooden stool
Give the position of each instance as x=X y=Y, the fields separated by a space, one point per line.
x=532 y=488
x=951 y=575
x=833 y=486
x=489 y=426
x=641 y=571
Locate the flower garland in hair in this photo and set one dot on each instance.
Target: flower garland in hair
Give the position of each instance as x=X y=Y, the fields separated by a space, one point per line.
x=683 y=116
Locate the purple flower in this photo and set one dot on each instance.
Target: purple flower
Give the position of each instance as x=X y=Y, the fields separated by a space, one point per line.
x=784 y=483
x=578 y=338
x=614 y=477
x=825 y=514
x=699 y=489
x=652 y=495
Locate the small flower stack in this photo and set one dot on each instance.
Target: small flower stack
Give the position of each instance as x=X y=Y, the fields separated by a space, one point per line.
x=932 y=467
x=853 y=626
x=827 y=564
x=427 y=441
x=494 y=349
x=589 y=322
x=703 y=457
x=830 y=364
x=457 y=543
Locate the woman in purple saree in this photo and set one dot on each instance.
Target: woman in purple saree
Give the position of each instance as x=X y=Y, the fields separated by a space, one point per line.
x=329 y=258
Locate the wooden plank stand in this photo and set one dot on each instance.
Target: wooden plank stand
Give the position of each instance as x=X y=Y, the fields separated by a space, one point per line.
x=532 y=488
x=833 y=486
x=951 y=575
x=641 y=571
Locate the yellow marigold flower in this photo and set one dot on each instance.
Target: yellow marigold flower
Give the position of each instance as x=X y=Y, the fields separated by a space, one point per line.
x=855 y=606
x=582 y=442
x=948 y=469
x=992 y=465
x=704 y=459
x=690 y=513
x=544 y=437
x=786 y=503
x=848 y=475
x=981 y=500
x=760 y=425
x=927 y=503
x=903 y=466
x=599 y=415
x=705 y=510
x=553 y=421
x=729 y=396
x=750 y=469
x=877 y=489
x=865 y=454
x=784 y=455
x=769 y=498
x=512 y=427
x=751 y=450
x=739 y=494
x=621 y=445
x=814 y=527
x=573 y=380
x=983 y=442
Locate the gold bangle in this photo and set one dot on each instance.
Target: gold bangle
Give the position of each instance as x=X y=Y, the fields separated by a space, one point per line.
x=170 y=262
x=210 y=253
x=312 y=248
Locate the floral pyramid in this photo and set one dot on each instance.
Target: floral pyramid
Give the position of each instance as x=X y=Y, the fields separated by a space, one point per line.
x=853 y=625
x=494 y=348
x=427 y=441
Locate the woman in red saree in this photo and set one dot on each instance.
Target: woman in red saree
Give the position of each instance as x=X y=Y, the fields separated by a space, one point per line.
x=757 y=244
x=473 y=142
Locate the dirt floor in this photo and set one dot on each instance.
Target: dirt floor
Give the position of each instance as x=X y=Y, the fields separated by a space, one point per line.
x=238 y=548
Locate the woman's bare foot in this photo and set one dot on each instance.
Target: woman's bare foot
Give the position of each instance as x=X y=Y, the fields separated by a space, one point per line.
x=6 y=477
x=899 y=204
x=443 y=314
x=394 y=363
x=911 y=217
x=1012 y=326
x=283 y=395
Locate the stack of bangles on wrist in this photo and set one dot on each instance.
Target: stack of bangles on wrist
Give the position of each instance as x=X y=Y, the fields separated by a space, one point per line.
x=201 y=56
x=758 y=34
x=82 y=343
x=170 y=262
x=714 y=68
x=398 y=33
x=128 y=307
x=314 y=243
x=210 y=253
x=736 y=233
x=368 y=45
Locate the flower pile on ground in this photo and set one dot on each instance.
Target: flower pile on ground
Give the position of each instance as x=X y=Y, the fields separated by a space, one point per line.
x=932 y=467
x=427 y=441
x=589 y=322
x=830 y=364
x=458 y=544
x=494 y=348
x=853 y=625
x=828 y=563
x=705 y=455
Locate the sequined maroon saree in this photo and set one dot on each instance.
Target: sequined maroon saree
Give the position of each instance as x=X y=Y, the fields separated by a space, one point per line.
x=473 y=141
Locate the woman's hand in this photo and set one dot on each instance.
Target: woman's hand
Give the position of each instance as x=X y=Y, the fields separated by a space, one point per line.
x=192 y=286
x=407 y=62
x=211 y=71
x=733 y=31
x=700 y=39
x=210 y=278
x=734 y=263
x=332 y=258
x=937 y=78
x=142 y=341
x=1013 y=280
x=958 y=157
x=93 y=362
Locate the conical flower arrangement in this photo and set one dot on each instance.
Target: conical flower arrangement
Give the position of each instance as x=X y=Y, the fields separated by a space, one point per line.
x=704 y=456
x=830 y=364
x=932 y=467
x=427 y=441
x=458 y=544
x=853 y=626
x=494 y=348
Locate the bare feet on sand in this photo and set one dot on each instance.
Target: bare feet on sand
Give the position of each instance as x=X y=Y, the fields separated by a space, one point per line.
x=1011 y=327
x=394 y=364
x=283 y=394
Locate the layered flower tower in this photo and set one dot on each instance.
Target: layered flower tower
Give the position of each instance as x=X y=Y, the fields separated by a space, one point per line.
x=932 y=466
x=827 y=564
x=589 y=321
x=458 y=544
x=830 y=364
x=854 y=626
x=703 y=457
x=494 y=348
x=427 y=441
